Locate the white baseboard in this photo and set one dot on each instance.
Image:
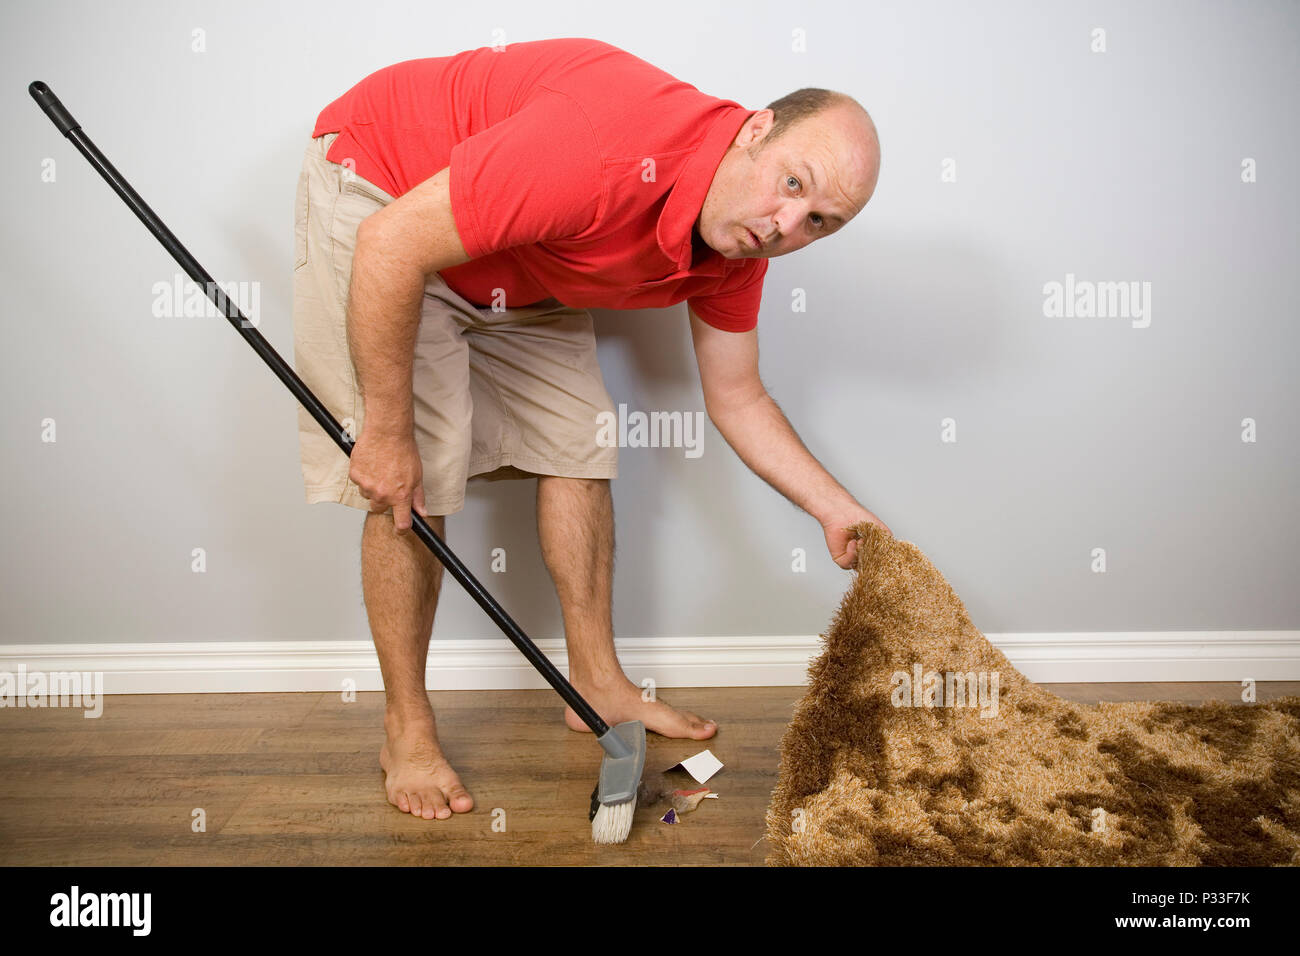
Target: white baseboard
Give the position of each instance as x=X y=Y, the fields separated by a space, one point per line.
x=262 y=666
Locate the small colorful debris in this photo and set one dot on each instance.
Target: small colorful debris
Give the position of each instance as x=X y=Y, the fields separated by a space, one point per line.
x=684 y=801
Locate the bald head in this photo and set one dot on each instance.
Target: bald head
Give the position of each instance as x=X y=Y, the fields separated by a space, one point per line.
x=812 y=102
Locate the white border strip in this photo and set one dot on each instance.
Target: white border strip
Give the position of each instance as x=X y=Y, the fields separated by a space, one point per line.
x=495 y=664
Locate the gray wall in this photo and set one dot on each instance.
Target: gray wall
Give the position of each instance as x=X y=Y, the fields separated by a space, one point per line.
x=1073 y=433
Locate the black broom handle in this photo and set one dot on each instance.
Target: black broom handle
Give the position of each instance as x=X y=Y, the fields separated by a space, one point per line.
x=70 y=128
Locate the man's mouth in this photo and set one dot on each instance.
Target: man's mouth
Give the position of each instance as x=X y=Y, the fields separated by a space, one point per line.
x=754 y=239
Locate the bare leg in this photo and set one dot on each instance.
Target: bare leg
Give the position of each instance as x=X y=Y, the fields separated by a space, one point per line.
x=575 y=526
x=401 y=579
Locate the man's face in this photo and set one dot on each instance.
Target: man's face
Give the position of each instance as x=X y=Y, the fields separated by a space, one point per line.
x=769 y=201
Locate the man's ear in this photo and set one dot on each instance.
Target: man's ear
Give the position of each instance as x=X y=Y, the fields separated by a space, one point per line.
x=755 y=128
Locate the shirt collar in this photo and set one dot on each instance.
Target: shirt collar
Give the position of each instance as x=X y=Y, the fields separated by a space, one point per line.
x=686 y=199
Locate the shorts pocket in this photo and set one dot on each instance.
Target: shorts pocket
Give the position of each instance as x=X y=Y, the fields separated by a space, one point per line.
x=355 y=184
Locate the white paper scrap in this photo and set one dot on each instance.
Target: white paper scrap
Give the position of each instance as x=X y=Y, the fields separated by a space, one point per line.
x=702 y=766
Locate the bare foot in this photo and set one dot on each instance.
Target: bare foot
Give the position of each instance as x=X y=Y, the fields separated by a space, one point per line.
x=621 y=700
x=418 y=778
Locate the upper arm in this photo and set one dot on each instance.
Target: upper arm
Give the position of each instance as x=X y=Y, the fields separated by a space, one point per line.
x=728 y=363
x=417 y=228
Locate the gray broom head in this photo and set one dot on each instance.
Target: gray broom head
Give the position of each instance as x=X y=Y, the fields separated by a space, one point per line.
x=620 y=776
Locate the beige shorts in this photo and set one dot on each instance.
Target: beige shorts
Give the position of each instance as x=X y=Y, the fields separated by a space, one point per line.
x=505 y=394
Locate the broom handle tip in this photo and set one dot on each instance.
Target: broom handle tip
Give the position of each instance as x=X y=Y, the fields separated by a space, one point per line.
x=56 y=111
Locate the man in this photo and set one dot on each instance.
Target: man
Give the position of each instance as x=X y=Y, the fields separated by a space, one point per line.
x=456 y=217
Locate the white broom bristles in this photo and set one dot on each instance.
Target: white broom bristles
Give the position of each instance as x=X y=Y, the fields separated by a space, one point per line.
x=613 y=822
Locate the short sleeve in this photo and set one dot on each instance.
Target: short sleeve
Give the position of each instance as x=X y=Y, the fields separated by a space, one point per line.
x=532 y=177
x=733 y=310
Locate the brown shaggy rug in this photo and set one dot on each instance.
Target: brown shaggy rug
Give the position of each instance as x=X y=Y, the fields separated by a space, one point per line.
x=919 y=744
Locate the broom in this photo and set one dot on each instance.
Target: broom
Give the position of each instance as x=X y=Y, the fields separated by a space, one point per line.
x=624 y=744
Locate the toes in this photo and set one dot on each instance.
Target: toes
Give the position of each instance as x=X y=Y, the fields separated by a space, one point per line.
x=436 y=806
x=698 y=727
x=705 y=729
x=432 y=805
x=459 y=800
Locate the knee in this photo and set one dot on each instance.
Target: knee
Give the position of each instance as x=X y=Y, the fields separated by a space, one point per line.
x=593 y=489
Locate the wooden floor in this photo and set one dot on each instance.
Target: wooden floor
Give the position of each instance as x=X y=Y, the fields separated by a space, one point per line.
x=295 y=779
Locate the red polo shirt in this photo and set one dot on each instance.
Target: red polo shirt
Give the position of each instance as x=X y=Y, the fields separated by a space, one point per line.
x=577 y=172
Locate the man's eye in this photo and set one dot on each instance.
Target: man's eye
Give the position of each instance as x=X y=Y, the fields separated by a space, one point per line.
x=791 y=179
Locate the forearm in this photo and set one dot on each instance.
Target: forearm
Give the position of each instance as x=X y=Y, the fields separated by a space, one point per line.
x=382 y=323
x=762 y=436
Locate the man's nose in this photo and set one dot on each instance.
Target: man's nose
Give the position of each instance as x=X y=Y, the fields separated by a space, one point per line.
x=785 y=214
